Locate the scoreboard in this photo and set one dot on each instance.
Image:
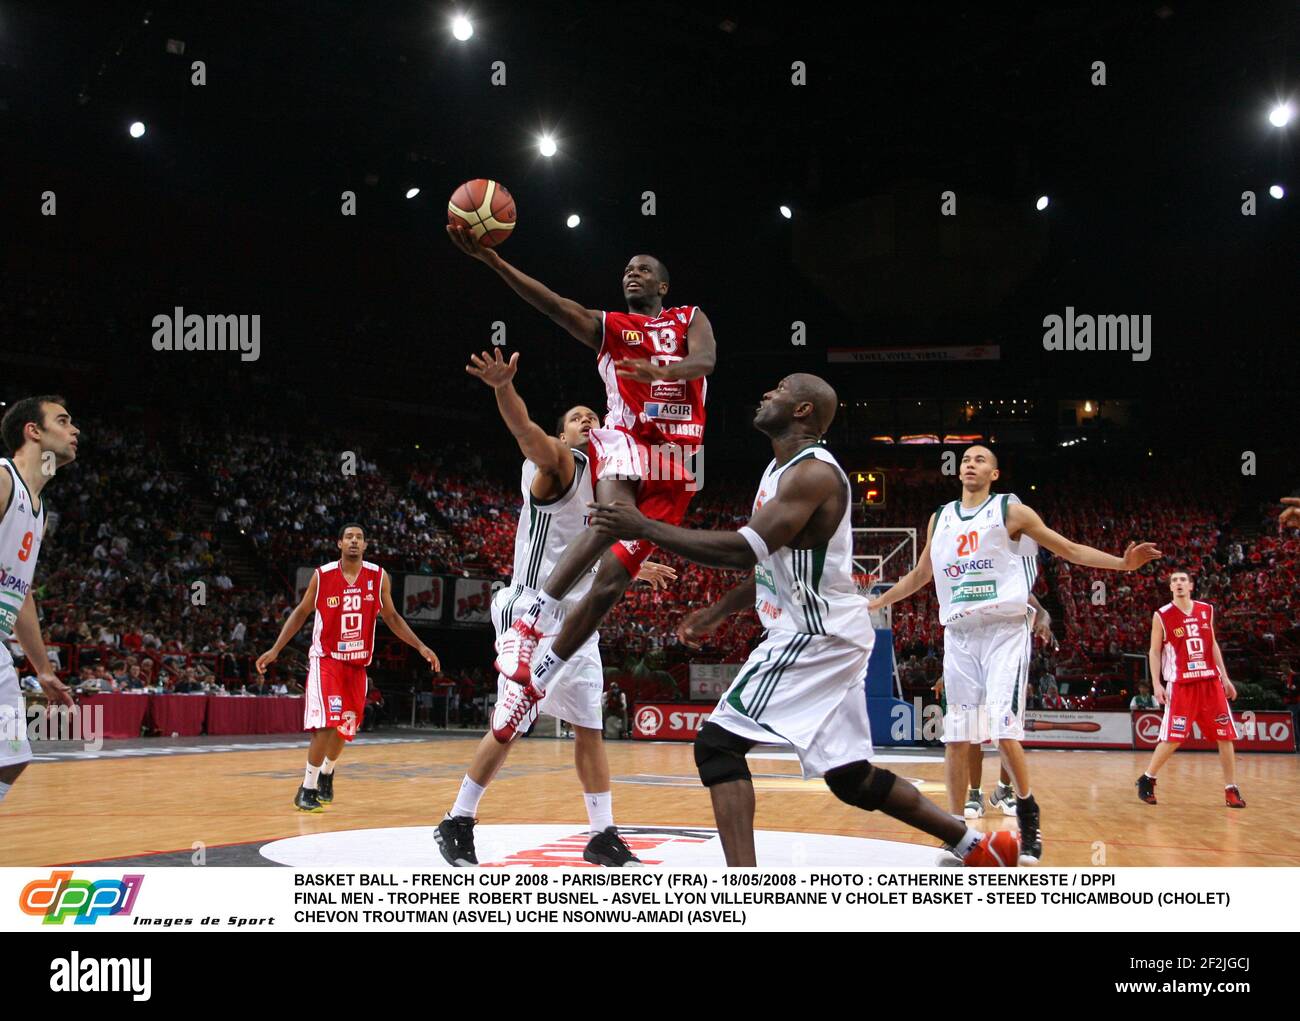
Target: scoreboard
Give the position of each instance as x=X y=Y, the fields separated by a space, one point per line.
x=869 y=486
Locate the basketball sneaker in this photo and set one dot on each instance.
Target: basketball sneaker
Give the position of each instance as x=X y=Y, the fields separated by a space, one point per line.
x=325 y=788
x=515 y=651
x=1232 y=795
x=995 y=850
x=974 y=804
x=1003 y=797
x=1146 y=786
x=948 y=858
x=512 y=714
x=306 y=801
x=607 y=848
x=1031 y=840
x=455 y=839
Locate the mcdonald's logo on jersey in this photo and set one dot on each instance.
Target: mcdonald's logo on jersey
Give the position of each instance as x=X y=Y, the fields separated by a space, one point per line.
x=632 y=337
x=332 y=601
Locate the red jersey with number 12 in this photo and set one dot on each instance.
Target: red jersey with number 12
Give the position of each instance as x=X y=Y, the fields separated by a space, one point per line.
x=346 y=613
x=665 y=411
x=1188 y=653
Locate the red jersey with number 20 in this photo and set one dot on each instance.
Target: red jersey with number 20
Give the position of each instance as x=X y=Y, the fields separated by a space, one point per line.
x=346 y=613
x=1188 y=653
x=660 y=412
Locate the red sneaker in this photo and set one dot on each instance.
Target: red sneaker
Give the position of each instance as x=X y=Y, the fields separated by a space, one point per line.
x=515 y=713
x=515 y=651
x=1232 y=795
x=996 y=850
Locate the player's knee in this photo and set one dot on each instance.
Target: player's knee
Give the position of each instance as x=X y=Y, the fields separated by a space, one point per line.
x=720 y=756
x=861 y=784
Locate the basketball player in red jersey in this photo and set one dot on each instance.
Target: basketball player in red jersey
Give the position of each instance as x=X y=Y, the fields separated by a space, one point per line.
x=653 y=361
x=1196 y=688
x=347 y=597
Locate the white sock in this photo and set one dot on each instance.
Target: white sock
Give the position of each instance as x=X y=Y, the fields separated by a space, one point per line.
x=546 y=669
x=309 y=779
x=5 y=788
x=468 y=798
x=967 y=843
x=327 y=767
x=542 y=612
x=600 y=811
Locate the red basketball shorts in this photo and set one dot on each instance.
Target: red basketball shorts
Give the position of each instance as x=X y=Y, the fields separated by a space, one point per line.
x=1201 y=702
x=336 y=696
x=665 y=489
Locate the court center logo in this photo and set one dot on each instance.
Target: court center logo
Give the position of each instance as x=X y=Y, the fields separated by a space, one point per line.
x=61 y=897
x=649 y=719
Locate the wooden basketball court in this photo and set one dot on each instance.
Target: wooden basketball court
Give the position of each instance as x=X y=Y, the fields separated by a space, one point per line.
x=128 y=807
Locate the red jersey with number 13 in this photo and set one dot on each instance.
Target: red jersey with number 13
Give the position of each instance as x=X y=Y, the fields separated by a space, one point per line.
x=346 y=613
x=1188 y=653
x=669 y=411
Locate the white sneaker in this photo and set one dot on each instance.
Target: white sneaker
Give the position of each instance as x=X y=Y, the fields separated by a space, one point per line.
x=974 y=805
x=515 y=651
x=1003 y=798
x=515 y=713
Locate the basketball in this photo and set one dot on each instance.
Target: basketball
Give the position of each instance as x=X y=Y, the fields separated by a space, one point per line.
x=486 y=207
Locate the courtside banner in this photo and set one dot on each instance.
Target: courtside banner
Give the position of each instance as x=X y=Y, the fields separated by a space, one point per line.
x=710 y=680
x=1059 y=728
x=422 y=597
x=1263 y=731
x=473 y=600
x=84 y=902
x=669 y=721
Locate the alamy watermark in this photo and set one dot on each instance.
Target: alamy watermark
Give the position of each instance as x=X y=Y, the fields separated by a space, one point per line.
x=193 y=332
x=82 y=724
x=1081 y=332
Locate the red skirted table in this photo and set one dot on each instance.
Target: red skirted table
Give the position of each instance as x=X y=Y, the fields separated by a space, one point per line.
x=181 y=715
x=123 y=713
x=248 y=714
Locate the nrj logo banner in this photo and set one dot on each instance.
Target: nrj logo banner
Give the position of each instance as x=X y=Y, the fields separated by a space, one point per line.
x=61 y=897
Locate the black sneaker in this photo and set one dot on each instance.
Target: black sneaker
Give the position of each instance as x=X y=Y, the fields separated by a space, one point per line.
x=306 y=801
x=455 y=839
x=325 y=788
x=607 y=848
x=1031 y=840
x=1146 y=786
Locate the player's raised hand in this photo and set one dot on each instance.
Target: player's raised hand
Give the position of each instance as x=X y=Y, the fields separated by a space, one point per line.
x=265 y=660
x=657 y=576
x=492 y=369
x=617 y=520
x=463 y=238
x=1137 y=554
x=695 y=627
x=58 y=693
x=1290 y=516
x=431 y=658
x=641 y=370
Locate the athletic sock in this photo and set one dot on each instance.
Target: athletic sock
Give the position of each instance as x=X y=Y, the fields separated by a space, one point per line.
x=967 y=843
x=542 y=612
x=327 y=767
x=547 y=668
x=468 y=798
x=5 y=788
x=309 y=779
x=600 y=811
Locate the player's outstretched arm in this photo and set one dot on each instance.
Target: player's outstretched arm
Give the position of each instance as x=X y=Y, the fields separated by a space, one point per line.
x=804 y=488
x=292 y=625
x=582 y=323
x=547 y=452
x=699 y=624
x=913 y=581
x=398 y=626
x=1154 y=651
x=1024 y=520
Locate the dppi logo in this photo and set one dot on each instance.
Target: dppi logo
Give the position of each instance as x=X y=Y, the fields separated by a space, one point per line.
x=61 y=896
x=957 y=570
x=649 y=720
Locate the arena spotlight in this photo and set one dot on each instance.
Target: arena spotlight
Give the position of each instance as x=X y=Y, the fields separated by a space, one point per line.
x=1277 y=191
x=786 y=212
x=1041 y=204
x=461 y=27
x=136 y=129
x=573 y=220
x=412 y=192
x=1280 y=115
x=546 y=146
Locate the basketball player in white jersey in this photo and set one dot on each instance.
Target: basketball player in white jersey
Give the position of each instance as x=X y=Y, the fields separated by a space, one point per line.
x=556 y=486
x=40 y=437
x=805 y=683
x=981 y=552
